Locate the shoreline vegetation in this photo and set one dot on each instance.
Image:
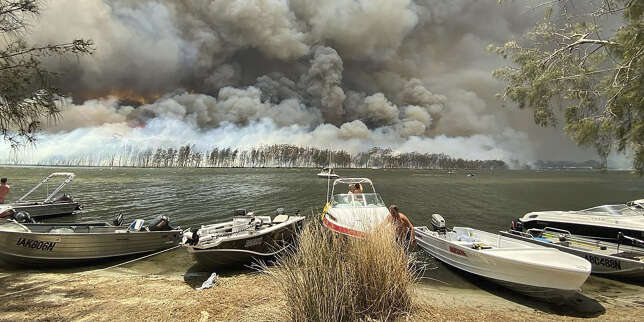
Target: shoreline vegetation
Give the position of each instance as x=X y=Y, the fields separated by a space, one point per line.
x=270 y=156
x=329 y=277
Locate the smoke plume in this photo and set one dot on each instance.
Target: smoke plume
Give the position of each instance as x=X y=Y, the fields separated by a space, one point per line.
x=412 y=75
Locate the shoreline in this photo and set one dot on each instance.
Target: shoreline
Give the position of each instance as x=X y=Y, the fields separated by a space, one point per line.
x=250 y=296
x=317 y=168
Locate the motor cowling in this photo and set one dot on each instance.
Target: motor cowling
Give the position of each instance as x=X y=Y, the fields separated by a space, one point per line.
x=65 y=198
x=438 y=223
x=160 y=223
x=118 y=221
x=193 y=237
x=24 y=218
x=517 y=225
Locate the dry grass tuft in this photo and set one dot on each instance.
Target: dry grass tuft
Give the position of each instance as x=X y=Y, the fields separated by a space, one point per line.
x=334 y=278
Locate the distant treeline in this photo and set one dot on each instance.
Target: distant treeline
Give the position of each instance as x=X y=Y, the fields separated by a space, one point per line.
x=590 y=164
x=278 y=155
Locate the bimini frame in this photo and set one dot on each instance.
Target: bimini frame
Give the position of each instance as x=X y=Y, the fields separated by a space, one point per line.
x=70 y=176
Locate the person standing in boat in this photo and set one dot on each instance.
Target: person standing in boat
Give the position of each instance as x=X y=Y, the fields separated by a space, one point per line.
x=5 y=189
x=404 y=229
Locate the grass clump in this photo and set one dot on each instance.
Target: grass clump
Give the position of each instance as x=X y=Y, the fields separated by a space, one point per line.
x=330 y=277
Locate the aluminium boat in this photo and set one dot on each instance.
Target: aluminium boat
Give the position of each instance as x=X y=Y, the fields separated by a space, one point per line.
x=243 y=240
x=328 y=173
x=603 y=222
x=57 y=244
x=353 y=214
x=52 y=205
x=607 y=259
x=541 y=272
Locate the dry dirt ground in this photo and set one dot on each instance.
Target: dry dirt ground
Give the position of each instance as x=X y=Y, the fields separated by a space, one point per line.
x=121 y=295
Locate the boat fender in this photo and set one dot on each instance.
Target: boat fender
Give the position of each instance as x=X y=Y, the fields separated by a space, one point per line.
x=438 y=223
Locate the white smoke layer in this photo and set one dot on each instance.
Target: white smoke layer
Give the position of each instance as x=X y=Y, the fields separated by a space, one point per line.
x=412 y=75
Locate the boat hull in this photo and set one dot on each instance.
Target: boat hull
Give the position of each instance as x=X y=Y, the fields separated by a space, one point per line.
x=340 y=229
x=43 y=249
x=39 y=210
x=610 y=266
x=542 y=282
x=586 y=230
x=257 y=246
x=326 y=176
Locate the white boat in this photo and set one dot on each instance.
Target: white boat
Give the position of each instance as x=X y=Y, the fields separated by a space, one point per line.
x=245 y=238
x=52 y=205
x=602 y=222
x=533 y=270
x=328 y=173
x=353 y=213
x=607 y=259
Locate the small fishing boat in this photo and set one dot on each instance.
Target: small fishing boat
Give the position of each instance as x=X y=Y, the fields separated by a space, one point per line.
x=54 y=244
x=242 y=240
x=328 y=173
x=602 y=222
x=354 y=214
x=607 y=259
x=530 y=269
x=52 y=205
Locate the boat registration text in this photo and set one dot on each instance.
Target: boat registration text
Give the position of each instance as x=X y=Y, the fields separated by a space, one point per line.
x=457 y=251
x=602 y=261
x=36 y=244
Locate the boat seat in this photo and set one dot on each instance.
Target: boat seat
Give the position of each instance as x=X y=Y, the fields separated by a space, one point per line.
x=280 y=219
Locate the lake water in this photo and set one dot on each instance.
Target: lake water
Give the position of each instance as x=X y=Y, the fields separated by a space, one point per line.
x=488 y=200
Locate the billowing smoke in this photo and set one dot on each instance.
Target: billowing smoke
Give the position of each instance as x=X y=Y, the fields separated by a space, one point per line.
x=412 y=75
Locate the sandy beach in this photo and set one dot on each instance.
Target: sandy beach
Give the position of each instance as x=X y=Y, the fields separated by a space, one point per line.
x=123 y=293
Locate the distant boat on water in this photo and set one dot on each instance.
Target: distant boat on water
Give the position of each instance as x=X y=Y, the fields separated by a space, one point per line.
x=328 y=173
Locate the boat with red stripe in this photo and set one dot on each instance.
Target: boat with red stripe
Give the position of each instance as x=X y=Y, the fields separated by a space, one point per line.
x=356 y=212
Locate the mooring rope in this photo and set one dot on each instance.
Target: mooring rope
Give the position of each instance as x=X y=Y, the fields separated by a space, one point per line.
x=87 y=272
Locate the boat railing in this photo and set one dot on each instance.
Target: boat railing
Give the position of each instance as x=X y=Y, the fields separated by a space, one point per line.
x=557 y=230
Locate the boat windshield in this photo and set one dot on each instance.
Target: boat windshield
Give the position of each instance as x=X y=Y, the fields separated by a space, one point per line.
x=621 y=210
x=357 y=200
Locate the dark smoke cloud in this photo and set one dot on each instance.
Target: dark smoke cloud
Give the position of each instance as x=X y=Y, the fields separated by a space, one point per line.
x=356 y=72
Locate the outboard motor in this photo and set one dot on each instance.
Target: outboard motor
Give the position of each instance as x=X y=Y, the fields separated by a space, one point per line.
x=194 y=238
x=64 y=198
x=160 y=223
x=118 y=220
x=517 y=225
x=438 y=223
x=280 y=211
x=241 y=212
x=23 y=217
